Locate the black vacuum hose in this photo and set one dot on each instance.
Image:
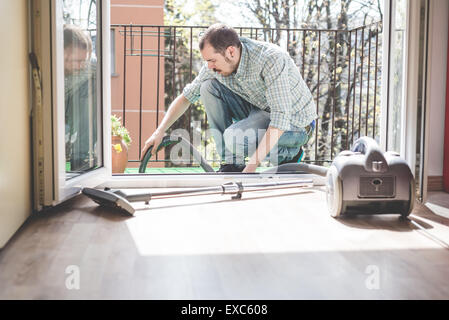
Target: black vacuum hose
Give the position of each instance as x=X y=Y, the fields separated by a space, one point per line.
x=168 y=140
x=288 y=167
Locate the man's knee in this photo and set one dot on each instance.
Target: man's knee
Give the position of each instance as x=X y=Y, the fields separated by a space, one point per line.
x=228 y=138
x=209 y=87
x=234 y=136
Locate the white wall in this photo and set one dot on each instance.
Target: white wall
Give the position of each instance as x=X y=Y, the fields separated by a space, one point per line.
x=439 y=15
x=15 y=163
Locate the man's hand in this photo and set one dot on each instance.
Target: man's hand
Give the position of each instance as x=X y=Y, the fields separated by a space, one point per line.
x=155 y=141
x=267 y=143
x=250 y=168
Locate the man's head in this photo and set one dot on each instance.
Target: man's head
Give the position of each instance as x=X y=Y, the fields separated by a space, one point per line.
x=220 y=46
x=77 y=49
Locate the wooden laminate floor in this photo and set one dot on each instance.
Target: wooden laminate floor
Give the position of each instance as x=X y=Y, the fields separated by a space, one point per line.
x=270 y=245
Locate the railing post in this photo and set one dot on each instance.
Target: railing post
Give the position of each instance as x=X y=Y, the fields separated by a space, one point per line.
x=349 y=89
x=140 y=93
x=361 y=80
x=367 y=87
x=375 y=84
x=355 y=82
x=158 y=77
x=124 y=79
x=318 y=94
x=333 y=95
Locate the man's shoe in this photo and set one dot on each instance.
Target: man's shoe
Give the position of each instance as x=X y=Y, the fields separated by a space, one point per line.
x=231 y=168
x=296 y=159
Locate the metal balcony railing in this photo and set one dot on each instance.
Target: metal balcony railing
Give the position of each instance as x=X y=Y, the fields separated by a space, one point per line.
x=341 y=67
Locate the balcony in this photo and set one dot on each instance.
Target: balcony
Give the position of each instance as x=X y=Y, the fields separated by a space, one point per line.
x=153 y=63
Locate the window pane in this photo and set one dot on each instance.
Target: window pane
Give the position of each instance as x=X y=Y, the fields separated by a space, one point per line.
x=81 y=74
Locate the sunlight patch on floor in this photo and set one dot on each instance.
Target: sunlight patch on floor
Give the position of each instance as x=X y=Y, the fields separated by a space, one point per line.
x=298 y=222
x=437 y=209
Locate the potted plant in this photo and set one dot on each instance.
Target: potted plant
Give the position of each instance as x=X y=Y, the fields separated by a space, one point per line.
x=120 y=143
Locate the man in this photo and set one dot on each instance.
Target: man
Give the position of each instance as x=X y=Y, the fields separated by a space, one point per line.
x=80 y=100
x=255 y=99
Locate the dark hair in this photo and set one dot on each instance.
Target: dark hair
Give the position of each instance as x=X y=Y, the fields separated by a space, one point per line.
x=76 y=38
x=220 y=37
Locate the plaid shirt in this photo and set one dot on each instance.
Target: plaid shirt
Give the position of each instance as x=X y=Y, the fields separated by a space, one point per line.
x=268 y=78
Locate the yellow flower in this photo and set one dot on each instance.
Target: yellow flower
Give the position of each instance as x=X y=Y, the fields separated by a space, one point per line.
x=117 y=147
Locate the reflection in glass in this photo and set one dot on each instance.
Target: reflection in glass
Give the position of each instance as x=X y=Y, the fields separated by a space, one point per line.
x=80 y=87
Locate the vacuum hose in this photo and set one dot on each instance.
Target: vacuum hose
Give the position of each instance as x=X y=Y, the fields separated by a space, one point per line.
x=168 y=140
x=298 y=168
x=288 y=167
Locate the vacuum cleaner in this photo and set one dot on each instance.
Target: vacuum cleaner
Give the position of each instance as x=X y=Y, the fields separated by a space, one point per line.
x=363 y=180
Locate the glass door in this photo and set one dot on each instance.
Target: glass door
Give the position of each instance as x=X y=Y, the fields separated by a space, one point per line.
x=397 y=107
x=394 y=75
x=82 y=72
x=82 y=90
x=76 y=118
x=404 y=83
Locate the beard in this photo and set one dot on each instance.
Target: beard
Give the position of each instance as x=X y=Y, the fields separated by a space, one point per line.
x=232 y=66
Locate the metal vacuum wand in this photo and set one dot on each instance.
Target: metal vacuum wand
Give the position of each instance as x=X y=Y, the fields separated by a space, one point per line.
x=120 y=200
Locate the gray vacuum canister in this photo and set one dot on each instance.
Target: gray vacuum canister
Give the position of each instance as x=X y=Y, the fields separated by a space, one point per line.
x=366 y=181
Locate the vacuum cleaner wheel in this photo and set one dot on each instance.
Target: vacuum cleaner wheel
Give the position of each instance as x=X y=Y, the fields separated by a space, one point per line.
x=334 y=192
x=411 y=203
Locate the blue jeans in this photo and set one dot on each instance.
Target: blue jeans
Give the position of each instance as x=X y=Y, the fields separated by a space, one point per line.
x=237 y=126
